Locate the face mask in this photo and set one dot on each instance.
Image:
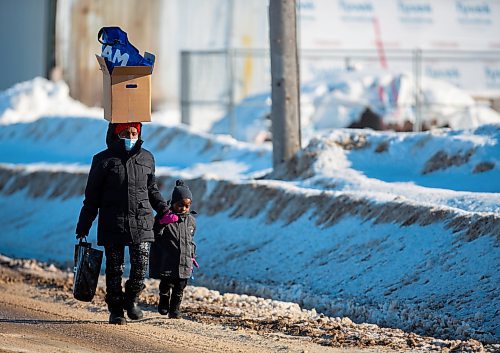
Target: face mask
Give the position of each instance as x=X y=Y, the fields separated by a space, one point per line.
x=129 y=143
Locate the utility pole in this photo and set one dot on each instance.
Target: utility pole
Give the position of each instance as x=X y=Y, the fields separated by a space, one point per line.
x=285 y=94
x=230 y=67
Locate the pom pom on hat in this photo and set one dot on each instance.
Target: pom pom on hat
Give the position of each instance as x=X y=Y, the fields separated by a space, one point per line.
x=180 y=192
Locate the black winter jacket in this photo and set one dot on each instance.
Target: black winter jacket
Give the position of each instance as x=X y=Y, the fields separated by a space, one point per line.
x=122 y=188
x=173 y=250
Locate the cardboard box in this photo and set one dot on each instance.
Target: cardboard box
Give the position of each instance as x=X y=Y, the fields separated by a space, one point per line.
x=126 y=92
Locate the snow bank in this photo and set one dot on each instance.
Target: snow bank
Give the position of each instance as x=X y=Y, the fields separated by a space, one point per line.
x=30 y=100
x=404 y=164
x=76 y=140
x=426 y=269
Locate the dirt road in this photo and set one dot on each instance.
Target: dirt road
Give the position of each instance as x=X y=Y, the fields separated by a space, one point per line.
x=36 y=319
x=39 y=314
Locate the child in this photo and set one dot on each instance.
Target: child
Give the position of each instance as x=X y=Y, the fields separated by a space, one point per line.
x=173 y=253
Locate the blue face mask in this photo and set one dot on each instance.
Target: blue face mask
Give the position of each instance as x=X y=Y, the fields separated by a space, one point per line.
x=129 y=143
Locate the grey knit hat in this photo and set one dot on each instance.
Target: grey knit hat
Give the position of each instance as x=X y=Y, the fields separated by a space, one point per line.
x=181 y=192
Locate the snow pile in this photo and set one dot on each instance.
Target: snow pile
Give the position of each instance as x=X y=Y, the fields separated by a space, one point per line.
x=398 y=163
x=30 y=100
x=339 y=100
x=391 y=95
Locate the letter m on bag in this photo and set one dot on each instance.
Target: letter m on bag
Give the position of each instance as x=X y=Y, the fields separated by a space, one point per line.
x=120 y=58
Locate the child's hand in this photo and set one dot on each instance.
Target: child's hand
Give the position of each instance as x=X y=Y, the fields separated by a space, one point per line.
x=168 y=218
x=195 y=263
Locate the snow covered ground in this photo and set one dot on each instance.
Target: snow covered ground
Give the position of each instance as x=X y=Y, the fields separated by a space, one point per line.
x=398 y=229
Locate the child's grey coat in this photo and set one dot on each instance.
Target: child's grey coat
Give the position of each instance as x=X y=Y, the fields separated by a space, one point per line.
x=173 y=249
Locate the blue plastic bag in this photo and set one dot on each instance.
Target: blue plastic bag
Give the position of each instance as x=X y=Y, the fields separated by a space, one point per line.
x=118 y=51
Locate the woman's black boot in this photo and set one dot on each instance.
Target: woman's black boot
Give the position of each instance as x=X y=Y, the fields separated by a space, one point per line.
x=115 y=307
x=131 y=300
x=116 y=316
x=134 y=312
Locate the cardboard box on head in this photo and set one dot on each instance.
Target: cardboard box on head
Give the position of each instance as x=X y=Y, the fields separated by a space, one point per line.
x=126 y=92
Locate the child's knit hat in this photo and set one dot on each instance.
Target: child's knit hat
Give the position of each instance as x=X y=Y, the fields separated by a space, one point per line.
x=180 y=192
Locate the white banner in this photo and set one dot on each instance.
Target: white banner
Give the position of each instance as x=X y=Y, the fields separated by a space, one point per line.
x=459 y=39
x=400 y=24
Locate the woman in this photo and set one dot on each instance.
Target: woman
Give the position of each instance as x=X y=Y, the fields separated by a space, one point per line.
x=122 y=188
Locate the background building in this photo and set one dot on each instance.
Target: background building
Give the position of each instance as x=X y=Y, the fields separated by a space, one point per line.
x=215 y=53
x=27 y=41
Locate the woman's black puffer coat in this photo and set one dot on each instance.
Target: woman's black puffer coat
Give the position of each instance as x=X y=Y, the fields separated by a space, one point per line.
x=122 y=188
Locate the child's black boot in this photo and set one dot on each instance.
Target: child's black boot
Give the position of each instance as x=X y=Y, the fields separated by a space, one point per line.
x=164 y=304
x=175 y=305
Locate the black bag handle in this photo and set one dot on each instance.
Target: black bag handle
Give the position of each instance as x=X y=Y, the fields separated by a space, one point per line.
x=85 y=243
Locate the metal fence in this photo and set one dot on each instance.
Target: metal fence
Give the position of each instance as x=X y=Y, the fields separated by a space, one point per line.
x=214 y=82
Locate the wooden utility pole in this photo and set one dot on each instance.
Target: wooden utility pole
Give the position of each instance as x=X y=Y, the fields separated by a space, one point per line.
x=285 y=85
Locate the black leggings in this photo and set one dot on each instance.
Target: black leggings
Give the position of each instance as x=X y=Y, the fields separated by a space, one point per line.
x=115 y=257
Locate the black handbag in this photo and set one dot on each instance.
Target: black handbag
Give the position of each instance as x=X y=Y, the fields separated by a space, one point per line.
x=87 y=268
